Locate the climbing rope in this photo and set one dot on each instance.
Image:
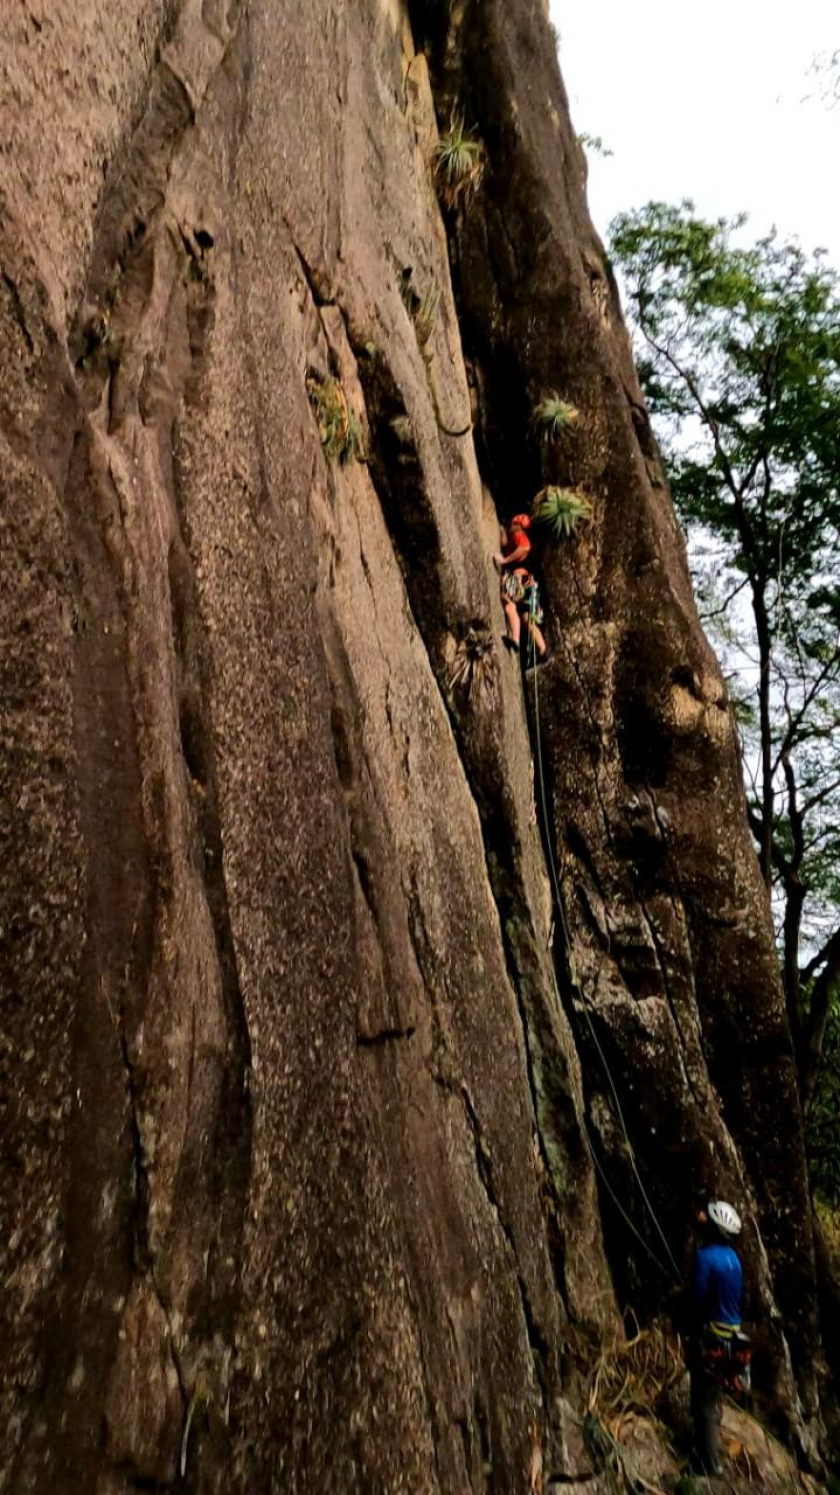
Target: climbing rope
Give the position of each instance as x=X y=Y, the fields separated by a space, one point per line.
x=561 y=913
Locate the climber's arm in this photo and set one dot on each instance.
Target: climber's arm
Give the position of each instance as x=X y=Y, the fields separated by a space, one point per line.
x=501 y=562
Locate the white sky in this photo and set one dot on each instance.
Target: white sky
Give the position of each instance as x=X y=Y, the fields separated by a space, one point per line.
x=706 y=102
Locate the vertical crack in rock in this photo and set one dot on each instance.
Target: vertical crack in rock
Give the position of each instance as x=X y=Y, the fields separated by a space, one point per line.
x=412 y=527
x=540 y=1348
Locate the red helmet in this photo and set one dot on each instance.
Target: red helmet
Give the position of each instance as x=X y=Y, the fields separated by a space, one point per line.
x=521 y=521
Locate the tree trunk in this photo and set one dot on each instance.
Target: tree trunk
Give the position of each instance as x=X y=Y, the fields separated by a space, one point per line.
x=763 y=633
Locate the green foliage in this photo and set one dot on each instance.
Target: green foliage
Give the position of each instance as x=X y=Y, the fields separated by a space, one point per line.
x=739 y=357
x=741 y=347
x=459 y=163
x=341 y=434
x=594 y=144
x=690 y=1484
x=553 y=416
x=560 y=510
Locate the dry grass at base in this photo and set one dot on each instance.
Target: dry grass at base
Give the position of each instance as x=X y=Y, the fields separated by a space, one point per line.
x=632 y=1390
x=637 y=1374
x=627 y=1393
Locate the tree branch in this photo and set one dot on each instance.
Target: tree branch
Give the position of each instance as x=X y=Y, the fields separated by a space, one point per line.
x=716 y=611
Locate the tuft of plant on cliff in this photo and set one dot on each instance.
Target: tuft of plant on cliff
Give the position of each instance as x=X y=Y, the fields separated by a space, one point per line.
x=472 y=670
x=560 y=510
x=339 y=429
x=459 y=163
x=739 y=357
x=554 y=416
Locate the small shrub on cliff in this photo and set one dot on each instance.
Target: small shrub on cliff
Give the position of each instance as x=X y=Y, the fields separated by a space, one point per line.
x=340 y=432
x=560 y=510
x=459 y=163
x=553 y=416
x=472 y=670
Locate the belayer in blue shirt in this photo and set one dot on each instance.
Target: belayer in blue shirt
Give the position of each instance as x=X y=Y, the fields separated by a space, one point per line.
x=717 y=1297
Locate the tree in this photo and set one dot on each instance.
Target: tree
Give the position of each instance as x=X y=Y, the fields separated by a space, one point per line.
x=740 y=362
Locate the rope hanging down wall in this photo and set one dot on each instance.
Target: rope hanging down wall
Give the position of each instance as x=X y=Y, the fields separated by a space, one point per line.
x=582 y=1003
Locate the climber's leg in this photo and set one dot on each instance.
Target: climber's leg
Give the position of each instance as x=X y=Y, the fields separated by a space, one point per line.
x=705 y=1412
x=512 y=620
x=536 y=634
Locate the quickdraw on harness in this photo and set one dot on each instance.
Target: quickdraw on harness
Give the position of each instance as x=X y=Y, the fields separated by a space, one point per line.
x=532 y=601
x=726 y=1354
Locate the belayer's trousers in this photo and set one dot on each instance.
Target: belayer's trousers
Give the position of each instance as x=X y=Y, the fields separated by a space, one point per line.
x=706 y=1414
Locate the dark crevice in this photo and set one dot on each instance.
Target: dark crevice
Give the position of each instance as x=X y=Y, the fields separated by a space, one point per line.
x=540 y=1348
x=387 y=1035
x=460 y=46
x=316 y=280
x=18 y=309
x=413 y=529
x=141 y=1192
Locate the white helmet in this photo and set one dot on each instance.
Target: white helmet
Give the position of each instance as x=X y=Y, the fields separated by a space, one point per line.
x=727 y=1219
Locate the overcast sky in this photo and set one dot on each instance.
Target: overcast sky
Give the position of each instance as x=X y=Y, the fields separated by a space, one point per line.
x=707 y=102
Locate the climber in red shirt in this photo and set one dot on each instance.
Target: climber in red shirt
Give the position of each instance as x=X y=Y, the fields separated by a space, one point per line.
x=520 y=593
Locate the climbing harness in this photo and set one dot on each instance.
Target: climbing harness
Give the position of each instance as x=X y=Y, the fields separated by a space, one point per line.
x=513 y=587
x=727 y=1359
x=558 y=901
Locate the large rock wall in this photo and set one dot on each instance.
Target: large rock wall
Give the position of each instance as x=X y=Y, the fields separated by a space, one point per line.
x=297 y=1188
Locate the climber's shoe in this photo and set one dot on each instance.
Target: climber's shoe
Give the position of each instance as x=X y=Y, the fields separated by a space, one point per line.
x=510 y=643
x=540 y=659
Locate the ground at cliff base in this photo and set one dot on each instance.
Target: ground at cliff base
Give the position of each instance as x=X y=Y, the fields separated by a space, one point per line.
x=753 y=1461
x=635 y=1437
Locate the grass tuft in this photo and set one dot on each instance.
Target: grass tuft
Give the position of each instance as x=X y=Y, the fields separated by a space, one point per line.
x=633 y=1380
x=341 y=434
x=560 y=510
x=553 y=416
x=459 y=163
x=635 y=1375
x=199 y=1407
x=472 y=670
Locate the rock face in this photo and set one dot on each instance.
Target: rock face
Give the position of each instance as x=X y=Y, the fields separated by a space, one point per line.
x=326 y=1158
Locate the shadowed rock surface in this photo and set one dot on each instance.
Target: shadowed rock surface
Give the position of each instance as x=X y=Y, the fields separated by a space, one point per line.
x=300 y=1081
